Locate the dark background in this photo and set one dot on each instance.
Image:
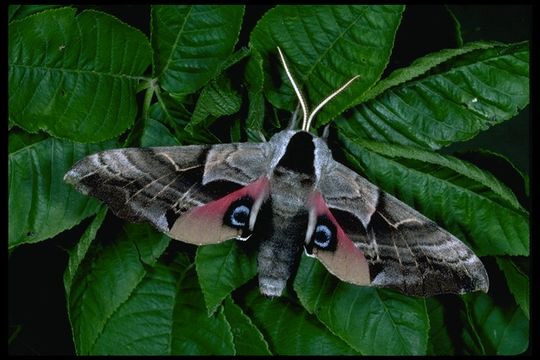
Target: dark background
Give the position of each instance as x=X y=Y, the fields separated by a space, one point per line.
x=37 y=312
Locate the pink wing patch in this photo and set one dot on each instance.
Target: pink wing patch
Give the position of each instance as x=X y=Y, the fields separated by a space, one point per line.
x=224 y=218
x=344 y=259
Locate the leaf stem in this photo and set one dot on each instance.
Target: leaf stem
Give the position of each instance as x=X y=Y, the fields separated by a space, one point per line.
x=15 y=333
x=457 y=27
x=148 y=95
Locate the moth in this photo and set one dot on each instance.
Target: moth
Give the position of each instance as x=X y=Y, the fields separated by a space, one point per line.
x=286 y=194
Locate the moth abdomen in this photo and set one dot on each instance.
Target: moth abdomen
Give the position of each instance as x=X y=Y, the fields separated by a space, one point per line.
x=281 y=238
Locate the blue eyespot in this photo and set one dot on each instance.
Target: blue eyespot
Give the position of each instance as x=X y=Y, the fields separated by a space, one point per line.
x=237 y=215
x=240 y=216
x=325 y=235
x=322 y=236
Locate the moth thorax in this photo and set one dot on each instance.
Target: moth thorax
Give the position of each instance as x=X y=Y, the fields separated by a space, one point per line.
x=299 y=154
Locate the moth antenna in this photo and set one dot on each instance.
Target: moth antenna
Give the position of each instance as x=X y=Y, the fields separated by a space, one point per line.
x=294 y=118
x=303 y=103
x=325 y=101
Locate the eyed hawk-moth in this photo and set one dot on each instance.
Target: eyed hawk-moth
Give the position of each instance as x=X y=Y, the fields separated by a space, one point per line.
x=286 y=194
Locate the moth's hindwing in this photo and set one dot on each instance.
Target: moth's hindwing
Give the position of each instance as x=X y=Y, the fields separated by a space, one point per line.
x=404 y=249
x=198 y=194
x=326 y=240
x=222 y=219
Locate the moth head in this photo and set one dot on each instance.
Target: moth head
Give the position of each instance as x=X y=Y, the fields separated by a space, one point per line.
x=307 y=115
x=321 y=153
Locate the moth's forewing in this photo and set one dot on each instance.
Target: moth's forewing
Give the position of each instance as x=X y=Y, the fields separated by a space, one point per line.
x=405 y=250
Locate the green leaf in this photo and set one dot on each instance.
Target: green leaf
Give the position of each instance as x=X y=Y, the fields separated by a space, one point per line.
x=222 y=268
x=501 y=330
x=106 y=279
x=12 y=10
x=452 y=102
x=421 y=67
x=255 y=84
x=217 y=99
x=175 y=116
x=440 y=342
x=366 y=318
x=517 y=281
x=191 y=43
x=157 y=134
x=256 y=111
x=165 y=315
x=471 y=342
x=211 y=336
x=495 y=189
x=18 y=12
x=170 y=113
x=290 y=330
x=77 y=255
x=248 y=340
x=470 y=203
x=40 y=204
x=502 y=167
x=150 y=244
x=236 y=132
x=18 y=139
x=235 y=58
x=326 y=46
x=143 y=324
x=75 y=77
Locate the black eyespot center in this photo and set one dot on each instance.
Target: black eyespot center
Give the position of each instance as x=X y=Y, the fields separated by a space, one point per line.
x=237 y=215
x=240 y=215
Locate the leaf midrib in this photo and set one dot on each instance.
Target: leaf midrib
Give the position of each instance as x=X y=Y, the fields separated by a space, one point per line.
x=86 y=72
x=423 y=77
x=388 y=314
x=331 y=45
x=175 y=45
x=446 y=164
x=177 y=287
x=463 y=189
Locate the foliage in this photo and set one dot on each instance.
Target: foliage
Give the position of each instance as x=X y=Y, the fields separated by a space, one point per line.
x=73 y=83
